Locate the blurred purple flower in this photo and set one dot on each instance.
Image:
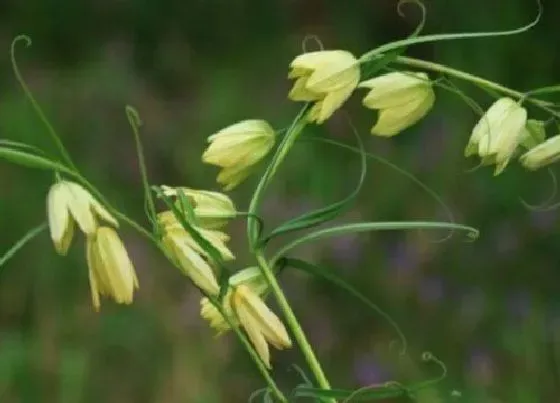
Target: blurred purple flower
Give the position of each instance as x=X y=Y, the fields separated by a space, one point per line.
x=472 y=305
x=346 y=251
x=544 y=221
x=434 y=138
x=507 y=240
x=519 y=305
x=402 y=259
x=431 y=290
x=481 y=367
x=369 y=372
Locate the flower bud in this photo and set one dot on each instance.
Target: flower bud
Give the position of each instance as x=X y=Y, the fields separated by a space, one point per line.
x=542 y=154
x=402 y=98
x=237 y=148
x=68 y=202
x=498 y=133
x=326 y=77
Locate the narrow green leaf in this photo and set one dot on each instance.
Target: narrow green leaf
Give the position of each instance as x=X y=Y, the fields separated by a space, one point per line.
x=19 y=144
x=327 y=213
x=543 y=90
x=32 y=161
x=374 y=226
x=328 y=275
x=360 y=395
x=31 y=234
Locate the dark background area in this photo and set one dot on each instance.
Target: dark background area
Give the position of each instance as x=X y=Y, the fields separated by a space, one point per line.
x=488 y=309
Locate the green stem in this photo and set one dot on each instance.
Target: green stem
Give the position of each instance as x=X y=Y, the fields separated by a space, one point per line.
x=440 y=68
x=293 y=132
x=252 y=232
x=250 y=349
x=293 y=323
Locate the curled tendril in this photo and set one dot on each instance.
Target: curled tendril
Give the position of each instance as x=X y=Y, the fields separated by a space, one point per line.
x=302 y=374
x=546 y=205
x=257 y=393
x=423 y=10
x=314 y=38
x=19 y=77
x=430 y=357
x=133 y=116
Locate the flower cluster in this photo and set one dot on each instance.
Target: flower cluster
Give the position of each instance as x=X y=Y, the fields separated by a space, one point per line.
x=111 y=272
x=242 y=302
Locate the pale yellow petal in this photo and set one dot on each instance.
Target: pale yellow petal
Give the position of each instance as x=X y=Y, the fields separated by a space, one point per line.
x=79 y=204
x=252 y=328
x=60 y=223
x=268 y=323
x=192 y=264
x=392 y=121
x=394 y=89
x=117 y=265
x=300 y=92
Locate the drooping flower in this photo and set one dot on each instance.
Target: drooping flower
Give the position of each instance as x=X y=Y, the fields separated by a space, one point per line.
x=237 y=148
x=217 y=239
x=498 y=133
x=191 y=257
x=68 y=202
x=326 y=77
x=262 y=326
x=111 y=272
x=212 y=210
x=402 y=98
x=250 y=277
x=543 y=154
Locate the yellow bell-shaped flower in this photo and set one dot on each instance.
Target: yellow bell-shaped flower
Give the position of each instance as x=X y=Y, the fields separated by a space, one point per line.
x=211 y=209
x=250 y=277
x=402 y=98
x=237 y=148
x=68 y=202
x=262 y=326
x=326 y=77
x=191 y=257
x=498 y=133
x=543 y=154
x=111 y=272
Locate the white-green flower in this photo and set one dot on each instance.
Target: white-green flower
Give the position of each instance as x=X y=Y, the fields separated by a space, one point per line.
x=68 y=202
x=498 y=133
x=326 y=77
x=402 y=99
x=237 y=148
x=543 y=154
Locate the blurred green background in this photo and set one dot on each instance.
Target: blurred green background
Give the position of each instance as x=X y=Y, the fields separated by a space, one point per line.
x=488 y=309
